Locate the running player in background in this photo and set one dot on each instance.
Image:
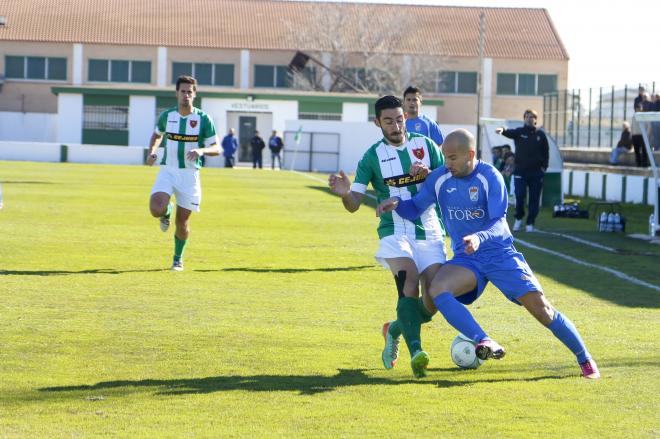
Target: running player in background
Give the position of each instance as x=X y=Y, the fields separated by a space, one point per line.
x=190 y=135
x=412 y=250
x=417 y=122
x=473 y=201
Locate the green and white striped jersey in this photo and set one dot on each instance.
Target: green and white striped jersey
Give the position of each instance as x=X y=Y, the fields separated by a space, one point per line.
x=387 y=168
x=183 y=134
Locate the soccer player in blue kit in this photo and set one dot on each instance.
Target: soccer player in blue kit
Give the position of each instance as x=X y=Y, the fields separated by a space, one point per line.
x=473 y=201
x=417 y=122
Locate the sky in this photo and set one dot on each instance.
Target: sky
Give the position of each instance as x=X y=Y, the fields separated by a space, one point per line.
x=607 y=45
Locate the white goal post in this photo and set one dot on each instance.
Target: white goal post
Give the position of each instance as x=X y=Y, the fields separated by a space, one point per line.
x=645 y=121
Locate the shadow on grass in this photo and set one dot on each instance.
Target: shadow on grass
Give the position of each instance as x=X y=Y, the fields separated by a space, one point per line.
x=303 y=384
x=66 y=273
x=291 y=270
x=26 y=182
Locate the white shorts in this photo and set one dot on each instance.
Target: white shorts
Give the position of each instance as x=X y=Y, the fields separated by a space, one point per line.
x=183 y=183
x=423 y=253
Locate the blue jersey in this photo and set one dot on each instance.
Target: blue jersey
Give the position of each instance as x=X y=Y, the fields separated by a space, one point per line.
x=472 y=205
x=424 y=125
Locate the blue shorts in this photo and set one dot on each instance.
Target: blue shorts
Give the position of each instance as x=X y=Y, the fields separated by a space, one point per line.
x=506 y=269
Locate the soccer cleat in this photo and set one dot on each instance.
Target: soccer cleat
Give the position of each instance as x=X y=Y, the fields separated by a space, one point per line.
x=517 y=225
x=529 y=228
x=177 y=265
x=590 y=370
x=488 y=348
x=419 y=363
x=165 y=221
x=391 y=349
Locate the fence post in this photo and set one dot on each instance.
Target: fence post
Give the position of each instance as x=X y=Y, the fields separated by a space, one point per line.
x=589 y=126
x=600 y=112
x=565 y=110
x=612 y=120
x=578 y=116
x=625 y=101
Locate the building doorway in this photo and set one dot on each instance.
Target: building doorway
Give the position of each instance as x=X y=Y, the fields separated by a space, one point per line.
x=246 y=124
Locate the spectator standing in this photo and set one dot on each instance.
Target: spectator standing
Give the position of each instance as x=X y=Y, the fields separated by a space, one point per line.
x=641 y=158
x=509 y=160
x=229 y=147
x=258 y=145
x=275 y=144
x=532 y=157
x=655 y=126
x=624 y=145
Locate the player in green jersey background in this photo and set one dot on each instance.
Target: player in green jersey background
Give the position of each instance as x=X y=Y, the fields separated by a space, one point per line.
x=190 y=134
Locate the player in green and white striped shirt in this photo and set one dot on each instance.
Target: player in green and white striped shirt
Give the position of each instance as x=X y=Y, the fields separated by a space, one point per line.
x=396 y=166
x=190 y=134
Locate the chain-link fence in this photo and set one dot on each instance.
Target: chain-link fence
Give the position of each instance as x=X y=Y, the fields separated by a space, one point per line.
x=590 y=117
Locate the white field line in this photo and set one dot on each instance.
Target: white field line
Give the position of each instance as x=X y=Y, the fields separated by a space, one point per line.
x=612 y=271
x=580 y=240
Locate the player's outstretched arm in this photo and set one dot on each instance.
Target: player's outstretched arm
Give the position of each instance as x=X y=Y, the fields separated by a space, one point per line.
x=341 y=185
x=154 y=143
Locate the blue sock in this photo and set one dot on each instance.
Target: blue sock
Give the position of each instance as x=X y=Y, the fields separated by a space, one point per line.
x=566 y=332
x=458 y=316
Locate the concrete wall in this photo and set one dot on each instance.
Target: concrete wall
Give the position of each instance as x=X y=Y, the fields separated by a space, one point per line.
x=28 y=127
x=605 y=185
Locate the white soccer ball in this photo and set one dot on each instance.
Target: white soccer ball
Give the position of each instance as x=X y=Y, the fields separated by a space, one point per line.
x=463 y=354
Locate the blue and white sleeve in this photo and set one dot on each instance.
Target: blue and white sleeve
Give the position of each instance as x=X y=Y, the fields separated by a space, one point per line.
x=497 y=206
x=435 y=133
x=413 y=208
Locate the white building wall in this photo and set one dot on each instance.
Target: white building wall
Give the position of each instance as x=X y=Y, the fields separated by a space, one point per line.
x=77 y=64
x=161 y=67
x=634 y=188
x=245 y=69
x=141 y=119
x=355 y=112
x=28 y=127
x=281 y=111
x=579 y=183
x=595 y=185
x=69 y=118
x=613 y=189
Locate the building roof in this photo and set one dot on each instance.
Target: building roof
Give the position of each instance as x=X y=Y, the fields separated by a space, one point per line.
x=518 y=33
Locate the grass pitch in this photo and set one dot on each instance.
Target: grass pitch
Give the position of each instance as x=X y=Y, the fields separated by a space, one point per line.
x=273 y=330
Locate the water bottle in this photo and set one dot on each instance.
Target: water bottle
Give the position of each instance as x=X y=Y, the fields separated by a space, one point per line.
x=617 y=222
x=610 y=222
x=652 y=225
x=602 y=222
x=555 y=210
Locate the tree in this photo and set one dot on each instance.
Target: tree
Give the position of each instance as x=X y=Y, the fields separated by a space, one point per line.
x=364 y=45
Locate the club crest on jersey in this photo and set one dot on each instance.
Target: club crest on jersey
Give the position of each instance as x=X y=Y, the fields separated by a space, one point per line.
x=418 y=127
x=419 y=153
x=474 y=193
x=193 y=123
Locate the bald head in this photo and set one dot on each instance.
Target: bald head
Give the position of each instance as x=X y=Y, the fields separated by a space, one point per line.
x=459 y=149
x=461 y=139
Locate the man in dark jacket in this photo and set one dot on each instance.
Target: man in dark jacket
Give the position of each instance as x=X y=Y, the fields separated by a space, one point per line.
x=532 y=156
x=275 y=144
x=257 y=144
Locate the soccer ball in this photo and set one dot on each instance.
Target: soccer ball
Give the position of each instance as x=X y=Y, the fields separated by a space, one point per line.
x=463 y=354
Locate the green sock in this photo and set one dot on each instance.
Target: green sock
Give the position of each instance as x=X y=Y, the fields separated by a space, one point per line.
x=179 y=247
x=424 y=313
x=395 y=329
x=410 y=321
x=169 y=211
